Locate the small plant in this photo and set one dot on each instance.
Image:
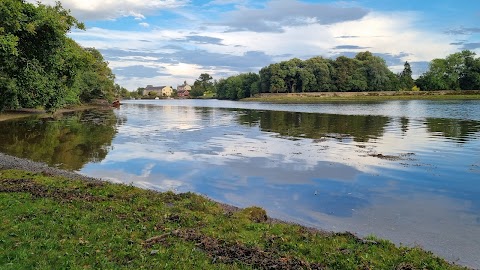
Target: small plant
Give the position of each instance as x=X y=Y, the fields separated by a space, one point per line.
x=415 y=88
x=255 y=214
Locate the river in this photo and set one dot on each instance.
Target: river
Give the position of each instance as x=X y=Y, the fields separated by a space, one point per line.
x=407 y=171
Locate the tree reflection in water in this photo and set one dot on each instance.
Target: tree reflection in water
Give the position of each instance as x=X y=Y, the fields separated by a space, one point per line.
x=69 y=142
x=360 y=128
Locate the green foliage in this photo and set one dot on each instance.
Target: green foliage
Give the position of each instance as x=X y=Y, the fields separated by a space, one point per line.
x=152 y=94
x=202 y=85
x=40 y=67
x=365 y=72
x=254 y=213
x=458 y=71
x=238 y=87
x=405 y=77
x=197 y=90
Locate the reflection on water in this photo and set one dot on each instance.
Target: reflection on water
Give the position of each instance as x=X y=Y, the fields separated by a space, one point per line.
x=390 y=172
x=360 y=128
x=459 y=130
x=68 y=142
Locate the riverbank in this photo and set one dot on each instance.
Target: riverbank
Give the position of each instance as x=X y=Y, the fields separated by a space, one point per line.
x=319 y=97
x=22 y=113
x=57 y=219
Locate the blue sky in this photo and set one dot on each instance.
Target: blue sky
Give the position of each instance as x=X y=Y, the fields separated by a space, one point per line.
x=165 y=42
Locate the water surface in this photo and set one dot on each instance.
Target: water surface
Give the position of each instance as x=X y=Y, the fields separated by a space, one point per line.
x=408 y=171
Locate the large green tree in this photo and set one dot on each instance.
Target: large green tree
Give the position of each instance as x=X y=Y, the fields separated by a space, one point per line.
x=458 y=71
x=40 y=67
x=34 y=71
x=405 y=77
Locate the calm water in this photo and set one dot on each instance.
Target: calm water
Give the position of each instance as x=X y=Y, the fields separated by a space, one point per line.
x=408 y=171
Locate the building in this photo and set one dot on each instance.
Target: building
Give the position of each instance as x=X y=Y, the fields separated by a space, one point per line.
x=161 y=91
x=184 y=90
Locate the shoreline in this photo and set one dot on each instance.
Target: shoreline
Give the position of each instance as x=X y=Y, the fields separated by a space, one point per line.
x=321 y=97
x=22 y=113
x=202 y=210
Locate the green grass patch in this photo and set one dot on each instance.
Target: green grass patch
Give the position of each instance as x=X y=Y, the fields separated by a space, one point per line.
x=50 y=222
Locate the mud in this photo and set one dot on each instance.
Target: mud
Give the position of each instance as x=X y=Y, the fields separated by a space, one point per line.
x=40 y=191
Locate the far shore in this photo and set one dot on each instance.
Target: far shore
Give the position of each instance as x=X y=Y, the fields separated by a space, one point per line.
x=319 y=97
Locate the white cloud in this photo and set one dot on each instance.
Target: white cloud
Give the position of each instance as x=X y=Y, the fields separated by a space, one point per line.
x=144 y=24
x=394 y=34
x=111 y=9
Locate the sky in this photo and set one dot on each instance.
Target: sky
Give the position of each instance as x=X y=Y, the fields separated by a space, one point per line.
x=167 y=42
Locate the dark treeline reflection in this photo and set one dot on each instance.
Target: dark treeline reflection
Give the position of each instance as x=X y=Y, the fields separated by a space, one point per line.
x=455 y=129
x=69 y=142
x=316 y=126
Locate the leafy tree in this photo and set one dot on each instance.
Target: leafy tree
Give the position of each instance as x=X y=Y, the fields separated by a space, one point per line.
x=457 y=71
x=204 y=81
x=323 y=71
x=470 y=75
x=40 y=66
x=375 y=73
x=234 y=87
x=95 y=79
x=405 y=77
x=197 y=89
x=221 y=88
x=35 y=70
x=345 y=68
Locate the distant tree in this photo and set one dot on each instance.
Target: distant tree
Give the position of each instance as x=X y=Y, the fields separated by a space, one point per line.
x=456 y=71
x=470 y=75
x=197 y=89
x=152 y=94
x=204 y=82
x=221 y=89
x=405 y=77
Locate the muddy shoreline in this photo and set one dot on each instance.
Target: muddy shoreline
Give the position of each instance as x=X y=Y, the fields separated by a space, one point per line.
x=8 y=162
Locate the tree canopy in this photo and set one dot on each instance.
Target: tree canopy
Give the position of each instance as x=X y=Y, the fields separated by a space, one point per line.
x=458 y=71
x=40 y=67
x=364 y=72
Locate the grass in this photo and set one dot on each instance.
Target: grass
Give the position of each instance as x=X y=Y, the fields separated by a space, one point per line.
x=50 y=222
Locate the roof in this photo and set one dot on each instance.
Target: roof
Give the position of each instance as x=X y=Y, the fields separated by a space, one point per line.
x=149 y=87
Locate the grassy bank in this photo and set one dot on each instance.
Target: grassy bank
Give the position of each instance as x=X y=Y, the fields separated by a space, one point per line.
x=49 y=222
x=363 y=96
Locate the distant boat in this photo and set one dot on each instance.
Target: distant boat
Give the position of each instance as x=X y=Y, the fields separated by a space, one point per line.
x=157 y=98
x=116 y=103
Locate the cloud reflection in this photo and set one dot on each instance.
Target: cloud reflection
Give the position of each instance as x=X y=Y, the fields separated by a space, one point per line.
x=387 y=175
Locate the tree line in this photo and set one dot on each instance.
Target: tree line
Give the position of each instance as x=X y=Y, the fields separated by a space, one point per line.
x=40 y=67
x=364 y=72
